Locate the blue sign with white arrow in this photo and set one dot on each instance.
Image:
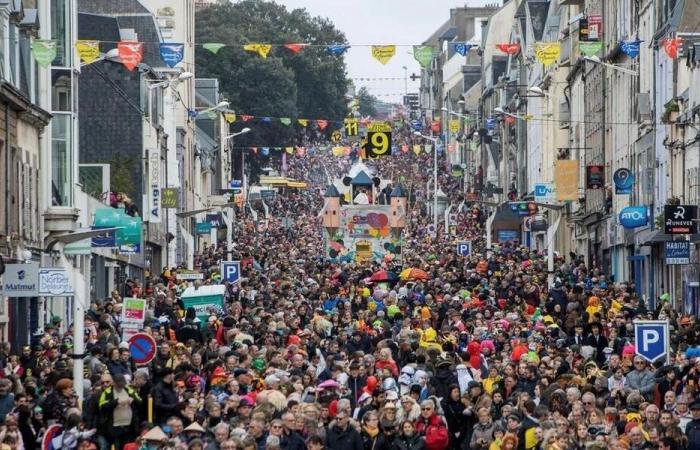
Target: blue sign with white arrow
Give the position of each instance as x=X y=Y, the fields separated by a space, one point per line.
x=230 y=271
x=464 y=248
x=651 y=339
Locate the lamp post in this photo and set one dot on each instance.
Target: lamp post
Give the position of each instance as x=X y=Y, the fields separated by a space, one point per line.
x=596 y=60
x=243 y=177
x=435 y=177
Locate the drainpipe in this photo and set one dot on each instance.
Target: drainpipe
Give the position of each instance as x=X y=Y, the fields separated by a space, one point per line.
x=7 y=178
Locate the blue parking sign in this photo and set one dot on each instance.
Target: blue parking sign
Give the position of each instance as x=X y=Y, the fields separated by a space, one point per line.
x=464 y=248
x=230 y=271
x=651 y=339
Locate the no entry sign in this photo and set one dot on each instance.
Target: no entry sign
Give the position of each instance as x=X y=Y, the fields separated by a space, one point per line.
x=142 y=347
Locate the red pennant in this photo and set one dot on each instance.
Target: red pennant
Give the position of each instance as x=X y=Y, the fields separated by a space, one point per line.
x=322 y=124
x=435 y=126
x=450 y=148
x=255 y=150
x=671 y=47
x=295 y=48
x=301 y=151
x=245 y=117
x=509 y=49
x=130 y=53
x=365 y=121
x=404 y=148
x=510 y=120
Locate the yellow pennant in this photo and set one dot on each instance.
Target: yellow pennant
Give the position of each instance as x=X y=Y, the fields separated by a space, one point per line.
x=303 y=122
x=89 y=51
x=289 y=150
x=230 y=117
x=416 y=149
x=383 y=53
x=338 y=151
x=454 y=125
x=260 y=49
x=547 y=52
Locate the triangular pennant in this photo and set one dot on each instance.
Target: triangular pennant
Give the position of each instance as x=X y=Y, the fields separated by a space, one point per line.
x=450 y=147
x=591 y=48
x=322 y=124
x=671 y=47
x=211 y=115
x=295 y=48
x=261 y=49
x=130 y=53
x=278 y=149
x=547 y=52
x=338 y=151
x=230 y=117
x=285 y=121
x=289 y=150
x=266 y=151
x=383 y=53
x=423 y=54
x=416 y=149
x=337 y=49
x=428 y=148
x=303 y=122
x=88 y=51
x=255 y=150
x=246 y=117
x=629 y=48
x=266 y=120
x=213 y=47
x=172 y=54
x=44 y=52
x=453 y=124
x=301 y=151
x=509 y=49
x=461 y=47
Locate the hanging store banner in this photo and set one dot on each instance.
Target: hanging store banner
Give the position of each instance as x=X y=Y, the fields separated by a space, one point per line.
x=44 y=52
x=154 y=195
x=423 y=54
x=383 y=53
x=130 y=53
x=88 y=51
x=590 y=48
x=680 y=219
x=547 y=53
x=677 y=252
x=595 y=177
x=172 y=54
x=169 y=198
x=21 y=280
x=566 y=179
x=624 y=181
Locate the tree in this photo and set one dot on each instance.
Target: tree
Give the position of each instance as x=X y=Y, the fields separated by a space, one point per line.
x=367 y=102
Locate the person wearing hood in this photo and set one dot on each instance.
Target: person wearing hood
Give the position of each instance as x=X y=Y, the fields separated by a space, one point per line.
x=458 y=416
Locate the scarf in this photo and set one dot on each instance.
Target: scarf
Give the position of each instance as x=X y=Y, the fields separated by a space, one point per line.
x=371 y=431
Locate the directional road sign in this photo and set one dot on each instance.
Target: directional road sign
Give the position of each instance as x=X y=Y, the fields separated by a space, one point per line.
x=142 y=348
x=230 y=271
x=464 y=248
x=651 y=339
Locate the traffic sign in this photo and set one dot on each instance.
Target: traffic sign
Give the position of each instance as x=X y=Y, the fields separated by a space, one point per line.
x=230 y=271
x=651 y=339
x=142 y=348
x=464 y=248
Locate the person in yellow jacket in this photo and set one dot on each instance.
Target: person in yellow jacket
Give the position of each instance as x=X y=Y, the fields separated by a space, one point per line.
x=492 y=380
x=119 y=407
x=429 y=339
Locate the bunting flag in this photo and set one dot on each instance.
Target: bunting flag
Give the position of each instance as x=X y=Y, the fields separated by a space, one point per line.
x=295 y=48
x=461 y=47
x=285 y=121
x=671 y=47
x=131 y=53
x=423 y=54
x=213 y=47
x=230 y=117
x=301 y=151
x=509 y=49
x=88 y=51
x=246 y=117
x=547 y=53
x=450 y=148
x=337 y=49
x=590 y=48
x=172 y=54
x=428 y=148
x=261 y=49
x=266 y=120
x=321 y=124
x=44 y=52
x=454 y=125
x=289 y=150
x=254 y=149
x=383 y=53
x=629 y=48
x=510 y=120
x=416 y=149
x=265 y=151
x=303 y=122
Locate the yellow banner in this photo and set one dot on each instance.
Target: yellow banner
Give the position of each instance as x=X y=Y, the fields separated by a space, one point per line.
x=89 y=51
x=383 y=53
x=547 y=52
x=303 y=122
x=416 y=149
x=261 y=49
x=454 y=125
x=289 y=150
x=566 y=179
x=378 y=127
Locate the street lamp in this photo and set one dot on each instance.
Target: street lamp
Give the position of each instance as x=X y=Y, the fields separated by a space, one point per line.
x=597 y=60
x=454 y=113
x=435 y=177
x=537 y=91
x=221 y=105
x=165 y=83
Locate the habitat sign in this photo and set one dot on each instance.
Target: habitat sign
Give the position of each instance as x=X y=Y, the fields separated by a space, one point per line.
x=678 y=252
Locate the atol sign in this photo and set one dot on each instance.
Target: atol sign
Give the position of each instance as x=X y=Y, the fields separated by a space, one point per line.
x=634 y=216
x=545 y=192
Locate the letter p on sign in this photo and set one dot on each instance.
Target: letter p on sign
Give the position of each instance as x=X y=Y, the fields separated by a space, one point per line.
x=231 y=271
x=651 y=339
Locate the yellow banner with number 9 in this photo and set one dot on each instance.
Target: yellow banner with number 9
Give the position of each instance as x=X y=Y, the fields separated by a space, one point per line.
x=378 y=143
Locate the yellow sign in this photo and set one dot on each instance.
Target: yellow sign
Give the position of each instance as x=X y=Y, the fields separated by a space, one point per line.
x=378 y=143
x=383 y=53
x=89 y=51
x=336 y=136
x=547 y=52
x=566 y=179
x=169 y=197
x=454 y=125
x=351 y=128
x=379 y=127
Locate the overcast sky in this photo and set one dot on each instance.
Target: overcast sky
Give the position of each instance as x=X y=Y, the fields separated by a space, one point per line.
x=397 y=22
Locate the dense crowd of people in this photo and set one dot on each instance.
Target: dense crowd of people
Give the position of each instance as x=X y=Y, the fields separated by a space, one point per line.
x=308 y=354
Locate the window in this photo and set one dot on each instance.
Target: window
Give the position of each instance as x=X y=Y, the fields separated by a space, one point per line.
x=25 y=66
x=61 y=90
x=60 y=32
x=61 y=164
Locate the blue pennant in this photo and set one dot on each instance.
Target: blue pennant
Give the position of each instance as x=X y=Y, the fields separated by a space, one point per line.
x=172 y=54
x=337 y=49
x=630 y=48
x=462 y=47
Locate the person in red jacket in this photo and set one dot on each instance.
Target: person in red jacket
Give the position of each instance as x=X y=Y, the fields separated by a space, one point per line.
x=431 y=426
x=385 y=361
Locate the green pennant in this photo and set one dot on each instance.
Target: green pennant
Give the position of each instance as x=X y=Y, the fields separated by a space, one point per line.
x=44 y=52
x=590 y=48
x=285 y=121
x=212 y=115
x=213 y=47
x=398 y=123
x=423 y=54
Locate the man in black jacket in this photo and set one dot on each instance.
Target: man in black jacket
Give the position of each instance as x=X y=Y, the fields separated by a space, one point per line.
x=355 y=383
x=692 y=430
x=342 y=436
x=165 y=402
x=190 y=329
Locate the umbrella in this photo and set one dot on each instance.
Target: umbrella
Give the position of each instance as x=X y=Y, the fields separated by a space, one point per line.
x=414 y=274
x=383 y=275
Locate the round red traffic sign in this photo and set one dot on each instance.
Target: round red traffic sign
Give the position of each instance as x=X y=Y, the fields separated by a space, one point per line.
x=142 y=348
